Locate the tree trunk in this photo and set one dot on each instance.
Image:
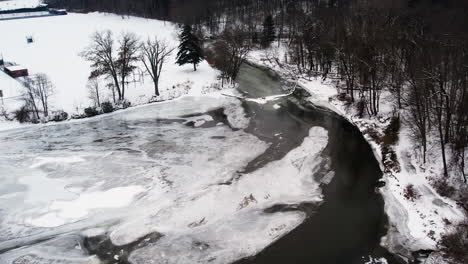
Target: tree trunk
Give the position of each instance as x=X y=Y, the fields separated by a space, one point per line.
x=462 y=165
x=117 y=87
x=97 y=97
x=442 y=143
x=123 y=89
x=156 y=87
x=113 y=94
x=424 y=143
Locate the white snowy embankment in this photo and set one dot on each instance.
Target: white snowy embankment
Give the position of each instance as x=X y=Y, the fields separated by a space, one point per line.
x=16 y=4
x=58 y=40
x=413 y=224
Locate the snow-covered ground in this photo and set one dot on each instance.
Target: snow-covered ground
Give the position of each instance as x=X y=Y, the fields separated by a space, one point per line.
x=16 y=4
x=11 y=89
x=413 y=224
x=128 y=175
x=58 y=40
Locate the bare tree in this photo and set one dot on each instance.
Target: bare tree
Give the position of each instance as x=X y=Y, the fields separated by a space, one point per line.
x=111 y=87
x=101 y=54
x=29 y=96
x=231 y=51
x=127 y=57
x=114 y=63
x=94 y=91
x=43 y=89
x=37 y=91
x=154 y=54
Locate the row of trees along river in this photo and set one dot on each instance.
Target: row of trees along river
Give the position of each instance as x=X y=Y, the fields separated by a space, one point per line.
x=418 y=49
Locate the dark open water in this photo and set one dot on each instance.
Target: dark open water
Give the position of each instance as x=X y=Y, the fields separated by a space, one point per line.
x=348 y=226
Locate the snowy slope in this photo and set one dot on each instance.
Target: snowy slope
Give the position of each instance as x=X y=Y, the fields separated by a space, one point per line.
x=11 y=87
x=58 y=41
x=16 y=4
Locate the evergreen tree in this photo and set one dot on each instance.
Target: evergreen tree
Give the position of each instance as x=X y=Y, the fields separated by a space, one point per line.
x=255 y=38
x=189 y=49
x=268 y=34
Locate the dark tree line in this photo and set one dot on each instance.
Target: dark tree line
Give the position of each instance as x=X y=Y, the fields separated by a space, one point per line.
x=417 y=49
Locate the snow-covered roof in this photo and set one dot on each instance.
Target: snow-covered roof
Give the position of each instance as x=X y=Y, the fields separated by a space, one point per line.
x=15 y=68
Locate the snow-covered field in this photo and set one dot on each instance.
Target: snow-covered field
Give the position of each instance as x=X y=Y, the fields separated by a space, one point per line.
x=414 y=224
x=128 y=175
x=58 y=41
x=11 y=90
x=16 y=4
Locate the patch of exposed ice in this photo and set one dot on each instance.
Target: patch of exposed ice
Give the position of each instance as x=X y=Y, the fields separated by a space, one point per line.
x=267 y=99
x=64 y=212
x=94 y=232
x=41 y=161
x=198 y=120
x=42 y=189
x=236 y=115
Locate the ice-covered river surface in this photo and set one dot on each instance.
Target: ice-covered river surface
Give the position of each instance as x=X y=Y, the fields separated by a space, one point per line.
x=210 y=179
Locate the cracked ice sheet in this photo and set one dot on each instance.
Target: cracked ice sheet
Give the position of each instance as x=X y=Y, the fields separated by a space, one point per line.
x=224 y=223
x=71 y=211
x=47 y=171
x=176 y=172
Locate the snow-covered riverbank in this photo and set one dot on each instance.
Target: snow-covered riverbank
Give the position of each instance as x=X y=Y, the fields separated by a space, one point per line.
x=414 y=224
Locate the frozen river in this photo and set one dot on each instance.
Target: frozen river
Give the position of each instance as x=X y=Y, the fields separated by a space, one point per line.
x=210 y=179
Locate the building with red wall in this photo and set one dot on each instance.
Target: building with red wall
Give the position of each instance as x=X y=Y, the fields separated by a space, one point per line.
x=16 y=71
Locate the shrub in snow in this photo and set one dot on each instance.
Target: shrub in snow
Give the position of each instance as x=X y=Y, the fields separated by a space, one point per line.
x=23 y=114
x=361 y=107
x=4 y=115
x=443 y=187
x=344 y=97
x=77 y=116
x=391 y=133
x=390 y=159
x=59 y=116
x=411 y=193
x=91 y=111
x=455 y=244
x=107 y=107
x=125 y=104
